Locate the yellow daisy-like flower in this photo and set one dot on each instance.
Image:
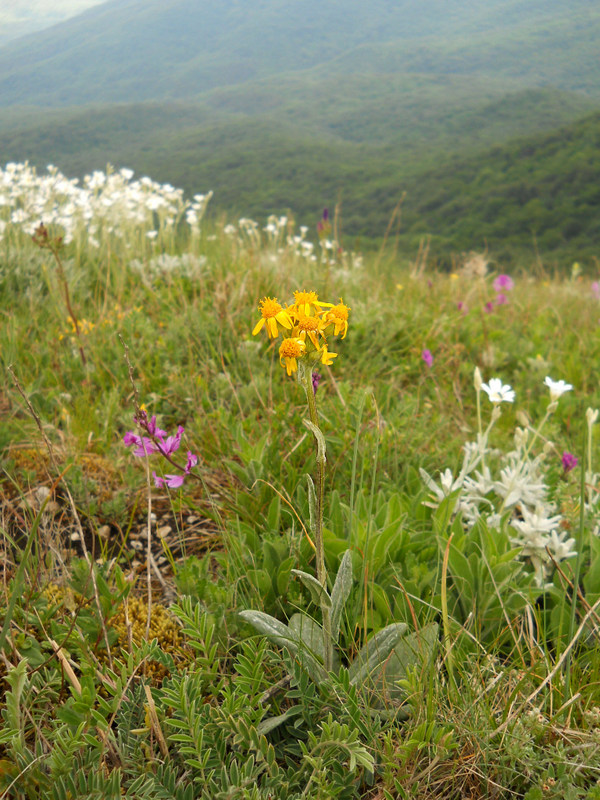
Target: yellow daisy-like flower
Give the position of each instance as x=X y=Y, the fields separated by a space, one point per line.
x=327 y=357
x=338 y=317
x=290 y=350
x=304 y=302
x=272 y=314
x=308 y=326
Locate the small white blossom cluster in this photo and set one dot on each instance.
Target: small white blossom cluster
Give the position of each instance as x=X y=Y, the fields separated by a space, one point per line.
x=511 y=487
x=276 y=238
x=106 y=203
x=166 y=267
x=279 y=238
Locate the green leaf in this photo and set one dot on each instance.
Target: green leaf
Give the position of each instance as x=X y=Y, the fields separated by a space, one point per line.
x=340 y=592
x=270 y=723
x=318 y=593
x=283 y=575
x=442 y=516
x=274 y=513
x=312 y=505
x=275 y=630
x=309 y=632
x=318 y=434
x=374 y=652
x=284 y=636
x=261 y=580
x=415 y=650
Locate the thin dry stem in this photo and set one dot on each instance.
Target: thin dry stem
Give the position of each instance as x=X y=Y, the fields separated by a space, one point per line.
x=54 y=463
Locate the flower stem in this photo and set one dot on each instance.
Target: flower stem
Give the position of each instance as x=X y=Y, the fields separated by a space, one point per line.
x=306 y=376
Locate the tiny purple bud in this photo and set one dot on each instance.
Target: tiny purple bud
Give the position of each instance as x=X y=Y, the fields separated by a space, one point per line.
x=325 y=214
x=427 y=357
x=462 y=307
x=488 y=307
x=568 y=461
x=316 y=379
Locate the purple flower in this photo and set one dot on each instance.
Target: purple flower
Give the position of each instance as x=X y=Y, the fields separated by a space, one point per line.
x=427 y=357
x=172 y=481
x=316 y=379
x=130 y=438
x=503 y=282
x=462 y=307
x=144 y=445
x=501 y=299
x=149 y=424
x=568 y=461
x=595 y=287
x=488 y=307
x=325 y=214
x=171 y=443
x=160 y=443
x=191 y=462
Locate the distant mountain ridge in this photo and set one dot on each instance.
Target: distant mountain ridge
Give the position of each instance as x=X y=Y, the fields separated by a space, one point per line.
x=482 y=112
x=136 y=50
x=539 y=192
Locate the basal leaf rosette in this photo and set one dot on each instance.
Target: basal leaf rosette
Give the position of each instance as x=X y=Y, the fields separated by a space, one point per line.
x=304 y=326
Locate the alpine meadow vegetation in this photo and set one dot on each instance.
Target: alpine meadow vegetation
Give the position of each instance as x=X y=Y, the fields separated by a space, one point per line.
x=284 y=520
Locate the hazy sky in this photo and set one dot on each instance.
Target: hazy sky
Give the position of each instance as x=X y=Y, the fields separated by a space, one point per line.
x=20 y=17
x=23 y=10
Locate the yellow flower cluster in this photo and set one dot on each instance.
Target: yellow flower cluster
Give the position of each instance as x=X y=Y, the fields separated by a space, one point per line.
x=305 y=326
x=86 y=326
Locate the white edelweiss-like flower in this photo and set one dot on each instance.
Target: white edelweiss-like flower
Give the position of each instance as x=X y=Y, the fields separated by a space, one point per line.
x=446 y=487
x=498 y=392
x=520 y=481
x=560 y=546
x=479 y=483
x=557 y=388
x=534 y=530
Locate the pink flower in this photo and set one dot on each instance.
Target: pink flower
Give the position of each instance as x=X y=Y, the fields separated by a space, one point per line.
x=501 y=299
x=568 y=461
x=427 y=357
x=144 y=445
x=160 y=443
x=462 y=307
x=171 y=443
x=595 y=287
x=172 y=481
x=488 y=307
x=503 y=282
x=191 y=462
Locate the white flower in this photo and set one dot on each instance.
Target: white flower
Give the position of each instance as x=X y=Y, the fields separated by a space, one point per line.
x=446 y=487
x=498 y=392
x=557 y=387
x=560 y=546
x=534 y=529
